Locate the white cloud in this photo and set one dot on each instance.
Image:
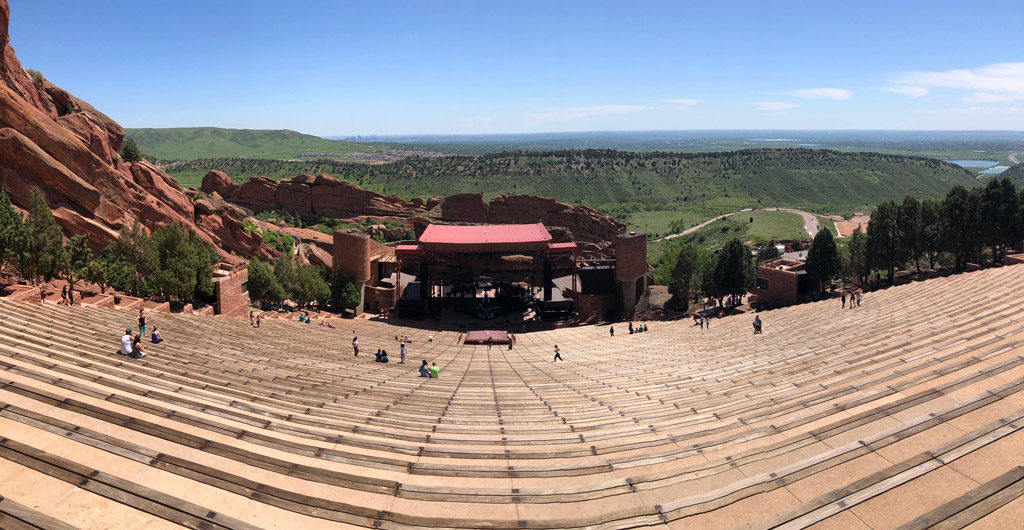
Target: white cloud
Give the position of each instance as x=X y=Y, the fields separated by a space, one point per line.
x=823 y=93
x=683 y=104
x=992 y=83
x=773 y=106
x=576 y=113
x=911 y=91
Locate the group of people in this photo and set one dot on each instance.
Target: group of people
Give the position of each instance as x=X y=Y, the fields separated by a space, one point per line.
x=67 y=296
x=254 y=319
x=702 y=320
x=639 y=328
x=432 y=371
x=134 y=347
x=854 y=299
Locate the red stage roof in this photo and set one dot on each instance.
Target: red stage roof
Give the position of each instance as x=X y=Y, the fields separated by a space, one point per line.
x=485 y=234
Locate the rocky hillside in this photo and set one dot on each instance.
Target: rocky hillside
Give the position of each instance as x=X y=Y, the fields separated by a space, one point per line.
x=312 y=197
x=51 y=139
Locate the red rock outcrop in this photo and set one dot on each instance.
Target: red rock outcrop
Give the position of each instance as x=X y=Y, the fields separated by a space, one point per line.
x=313 y=197
x=310 y=197
x=585 y=223
x=53 y=140
x=218 y=182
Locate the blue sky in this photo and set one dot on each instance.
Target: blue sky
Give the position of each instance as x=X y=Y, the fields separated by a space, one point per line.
x=346 y=68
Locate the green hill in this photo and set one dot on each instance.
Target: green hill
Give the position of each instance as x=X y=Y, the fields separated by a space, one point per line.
x=621 y=182
x=1014 y=173
x=190 y=143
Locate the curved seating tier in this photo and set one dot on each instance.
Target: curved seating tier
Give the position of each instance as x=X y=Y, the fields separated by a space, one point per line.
x=906 y=411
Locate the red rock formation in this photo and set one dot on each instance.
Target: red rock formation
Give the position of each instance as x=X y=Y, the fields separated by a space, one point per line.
x=309 y=196
x=585 y=223
x=50 y=139
x=218 y=182
x=312 y=197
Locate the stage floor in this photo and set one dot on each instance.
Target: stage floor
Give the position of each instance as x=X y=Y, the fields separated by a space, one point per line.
x=480 y=337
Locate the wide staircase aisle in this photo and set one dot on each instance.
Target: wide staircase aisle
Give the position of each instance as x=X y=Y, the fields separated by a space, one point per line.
x=905 y=412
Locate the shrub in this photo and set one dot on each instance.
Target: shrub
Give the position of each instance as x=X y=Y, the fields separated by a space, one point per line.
x=130 y=151
x=37 y=77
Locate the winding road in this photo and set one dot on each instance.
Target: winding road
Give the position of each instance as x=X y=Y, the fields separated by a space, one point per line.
x=810 y=221
x=1013 y=158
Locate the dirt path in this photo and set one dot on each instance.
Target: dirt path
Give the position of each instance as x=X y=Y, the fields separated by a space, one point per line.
x=810 y=221
x=1013 y=158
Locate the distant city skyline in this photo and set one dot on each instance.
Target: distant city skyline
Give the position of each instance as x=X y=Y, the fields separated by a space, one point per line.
x=415 y=68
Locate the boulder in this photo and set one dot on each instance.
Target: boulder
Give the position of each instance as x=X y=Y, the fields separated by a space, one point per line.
x=462 y=207
x=218 y=182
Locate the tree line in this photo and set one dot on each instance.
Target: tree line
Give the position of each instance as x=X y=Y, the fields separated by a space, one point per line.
x=172 y=262
x=974 y=225
x=302 y=284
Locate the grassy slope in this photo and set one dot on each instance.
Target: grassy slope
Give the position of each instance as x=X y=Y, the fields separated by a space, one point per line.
x=190 y=143
x=773 y=225
x=623 y=181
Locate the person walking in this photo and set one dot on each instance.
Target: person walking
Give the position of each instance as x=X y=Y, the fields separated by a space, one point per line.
x=611 y=330
x=252 y=318
x=490 y=342
x=258 y=320
x=858 y=299
x=71 y=297
x=64 y=295
x=844 y=300
x=757 y=324
x=142 y=321
x=402 y=352
x=355 y=346
x=558 y=355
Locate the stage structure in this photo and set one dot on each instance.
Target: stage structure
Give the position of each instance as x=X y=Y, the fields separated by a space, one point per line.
x=486 y=272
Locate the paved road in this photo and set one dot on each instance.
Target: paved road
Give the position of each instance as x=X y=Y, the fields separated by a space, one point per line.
x=810 y=221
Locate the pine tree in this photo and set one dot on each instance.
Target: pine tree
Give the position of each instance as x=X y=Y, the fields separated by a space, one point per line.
x=75 y=260
x=823 y=258
x=42 y=241
x=130 y=151
x=262 y=284
x=11 y=226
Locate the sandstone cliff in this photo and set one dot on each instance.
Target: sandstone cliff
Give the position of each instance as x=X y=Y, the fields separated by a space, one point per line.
x=51 y=139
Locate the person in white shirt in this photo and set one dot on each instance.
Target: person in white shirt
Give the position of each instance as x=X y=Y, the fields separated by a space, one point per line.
x=126 y=342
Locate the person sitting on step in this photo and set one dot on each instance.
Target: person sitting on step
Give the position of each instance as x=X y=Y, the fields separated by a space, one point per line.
x=137 y=348
x=435 y=371
x=156 y=338
x=126 y=343
x=424 y=370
